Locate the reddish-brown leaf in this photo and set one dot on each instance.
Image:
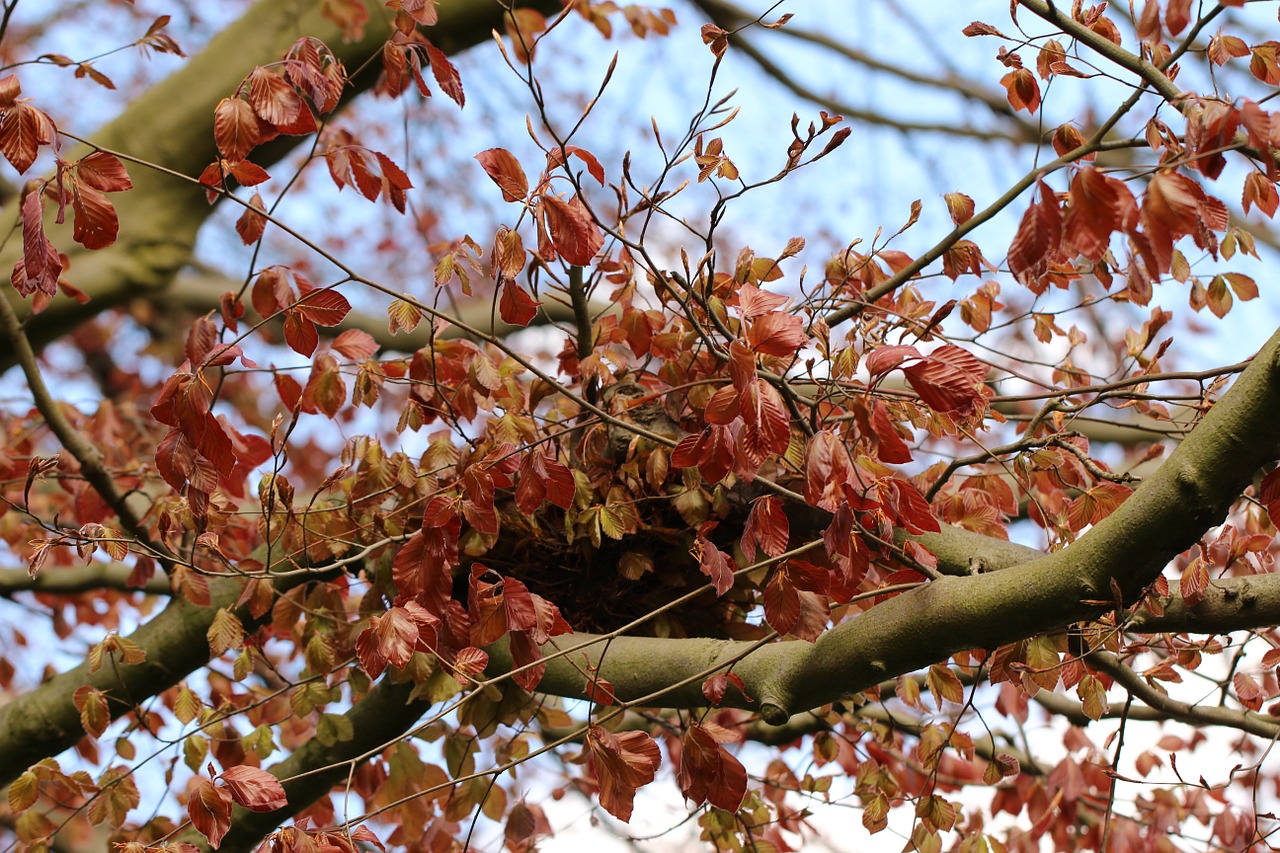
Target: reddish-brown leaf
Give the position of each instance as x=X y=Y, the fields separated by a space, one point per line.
x=1023 y=90
x=950 y=379
x=715 y=564
x=96 y=224
x=777 y=334
x=624 y=763
x=724 y=406
x=515 y=305
x=1177 y=15
x=254 y=788
x=300 y=333
x=446 y=74
x=505 y=171
x=574 y=233
x=324 y=307
x=251 y=224
x=273 y=98
x=708 y=773
x=210 y=811
x=40 y=266
x=1195 y=580
x=767 y=527
x=235 y=128
x=389 y=639
x=23 y=129
x=355 y=344
x=1260 y=191
x=103 y=172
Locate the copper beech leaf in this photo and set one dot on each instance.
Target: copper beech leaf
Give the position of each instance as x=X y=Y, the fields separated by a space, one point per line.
x=624 y=762
x=389 y=639
x=254 y=788
x=446 y=74
x=103 y=172
x=777 y=333
x=574 y=234
x=210 y=811
x=515 y=305
x=950 y=379
x=235 y=128
x=96 y=224
x=709 y=773
x=504 y=169
x=95 y=716
x=715 y=564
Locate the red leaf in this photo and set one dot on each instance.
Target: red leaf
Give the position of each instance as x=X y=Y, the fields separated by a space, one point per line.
x=300 y=333
x=777 y=334
x=574 y=233
x=248 y=174
x=889 y=445
x=96 y=224
x=623 y=763
x=886 y=358
x=754 y=302
x=210 y=811
x=908 y=506
x=322 y=307
x=948 y=380
x=235 y=128
x=516 y=306
x=1195 y=580
x=715 y=687
x=389 y=639
x=505 y=171
x=1248 y=690
x=103 y=172
x=556 y=157
x=251 y=224
x=1177 y=16
x=1023 y=91
x=723 y=407
x=1097 y=206
x=272 y=98
x=1258 y=190
x=485 y=604
x=1037 y=240
x=708 y=773
x=767 y=527
x=715 y=564
x=355 y=344
x=254 y=788
x=446 y=75
x=781 y=604
x=23 y=129
x=40 y=265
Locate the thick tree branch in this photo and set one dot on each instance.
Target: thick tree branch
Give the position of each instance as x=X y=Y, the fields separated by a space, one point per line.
x=1189 y=493
x=72 y=580
x=43 y=722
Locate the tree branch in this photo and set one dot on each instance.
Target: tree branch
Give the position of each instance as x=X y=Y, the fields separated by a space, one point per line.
x=1165 y=515
x=313 y=769
x=72 y=580
x=43 y=722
